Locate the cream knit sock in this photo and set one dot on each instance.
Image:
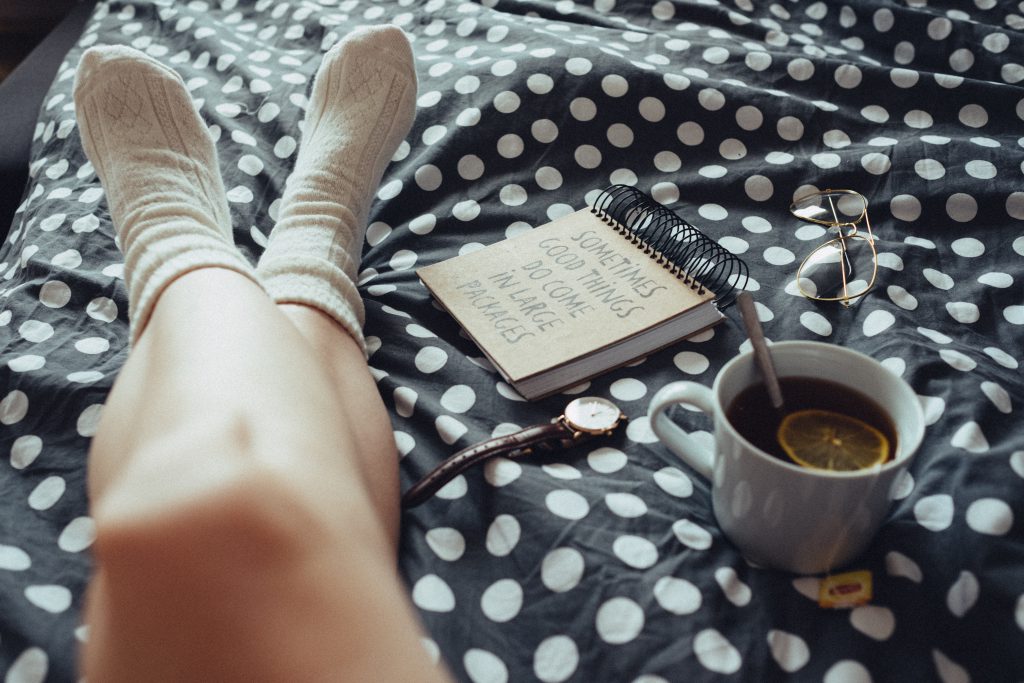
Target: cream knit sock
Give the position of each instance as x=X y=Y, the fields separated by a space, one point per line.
x=362 y=106
x=158 y=166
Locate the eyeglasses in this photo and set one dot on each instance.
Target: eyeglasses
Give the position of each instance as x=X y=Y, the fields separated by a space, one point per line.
x=844 y=268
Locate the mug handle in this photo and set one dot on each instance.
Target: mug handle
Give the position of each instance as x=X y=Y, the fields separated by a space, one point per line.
x=678 y=441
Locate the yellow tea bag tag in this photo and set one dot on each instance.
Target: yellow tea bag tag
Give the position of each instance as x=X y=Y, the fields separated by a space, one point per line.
x=845 y=590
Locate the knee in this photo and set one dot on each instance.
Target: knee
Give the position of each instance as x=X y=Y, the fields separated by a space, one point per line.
x=203 y=496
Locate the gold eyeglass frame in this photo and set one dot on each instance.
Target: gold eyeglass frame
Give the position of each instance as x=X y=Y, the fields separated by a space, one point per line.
x=846 y=230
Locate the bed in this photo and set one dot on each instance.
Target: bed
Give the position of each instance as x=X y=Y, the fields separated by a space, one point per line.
x=603 y=563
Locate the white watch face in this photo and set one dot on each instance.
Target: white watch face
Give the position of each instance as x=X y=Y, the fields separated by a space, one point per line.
x=592 y=414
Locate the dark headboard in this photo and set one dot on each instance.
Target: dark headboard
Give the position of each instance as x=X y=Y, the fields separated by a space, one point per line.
x=21 y=95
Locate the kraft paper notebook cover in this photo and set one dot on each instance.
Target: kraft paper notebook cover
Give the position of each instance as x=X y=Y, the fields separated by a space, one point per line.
x=587 y=292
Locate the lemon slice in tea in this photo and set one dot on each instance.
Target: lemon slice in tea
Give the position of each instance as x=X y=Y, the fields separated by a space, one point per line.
x=826 y=440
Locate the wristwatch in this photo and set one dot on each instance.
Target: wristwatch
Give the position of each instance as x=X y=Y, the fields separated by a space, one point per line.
x=584 y=418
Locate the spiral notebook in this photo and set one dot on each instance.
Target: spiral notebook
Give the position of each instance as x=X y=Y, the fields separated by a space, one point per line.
x=587 y=292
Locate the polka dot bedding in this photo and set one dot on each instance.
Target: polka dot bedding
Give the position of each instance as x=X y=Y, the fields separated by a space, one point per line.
x=603 y=563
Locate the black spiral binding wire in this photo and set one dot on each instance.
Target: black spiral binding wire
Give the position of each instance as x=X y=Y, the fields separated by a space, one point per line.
x=693 y=257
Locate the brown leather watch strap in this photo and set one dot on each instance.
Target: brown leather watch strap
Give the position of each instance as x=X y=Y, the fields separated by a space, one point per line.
x=517 y=444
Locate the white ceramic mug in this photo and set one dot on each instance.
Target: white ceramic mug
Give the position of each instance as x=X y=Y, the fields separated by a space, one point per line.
x=779 y=514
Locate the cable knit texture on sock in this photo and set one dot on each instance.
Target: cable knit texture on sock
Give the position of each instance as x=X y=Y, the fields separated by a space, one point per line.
x=361 y=108
x=158 y=166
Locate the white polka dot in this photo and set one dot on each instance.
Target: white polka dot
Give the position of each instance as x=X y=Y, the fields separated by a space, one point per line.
x=898 y=564
x=918 y=119
x=934 y=513
x=933 y=407
x=567 y=504
x=14 y=559
x=556 y=659
x=677 y=596
x=26 y=363
x=500 y=472
x=484 y=667
x=847 y=671
x=588 y=156
x=716 y=653
x=449 y=429
x=35 y=331
x=1000 y=397
x=635 y=551
x=628 y=389
x=562 y=569
x=70 y=259
x=674 y=482
x=25 y=449
x=31 y=666
x=990 y=516
x=876 y=163
x=957 y=360
x=901 y=297
x=877 y=322
x=503 y=535
x=447 y=543
x=937 y=279
x=961 y=207
x=85 y=224
x=578 y=66
x=963 y=311
x=51 y=598
x=800 y=69
x=454 y=489
x=561 y=471
x=285 y=147
x=736 y=592
x=789 y=651
x=816 y=322
x=929 y=169
x=691 y=362
x=1000 y=280
x=458 y=399
x=432 y=594
x=92 y=345
x=626 y=504
x=430 y=359
x=948 y=670
x=540 y=84
x=46 y=494
x=963 y=594
x=848 y=76
x=691 y=535
x=983 y=170
x=1001 y=357
x=502 y=600
x=875 y=114
x=54 y=294
x=874 y=621
x=606 y=460
x=428 y=177
x=690 y=133
x=619 y=620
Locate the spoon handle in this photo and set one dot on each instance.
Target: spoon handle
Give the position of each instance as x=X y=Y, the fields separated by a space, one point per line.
x=761 y=355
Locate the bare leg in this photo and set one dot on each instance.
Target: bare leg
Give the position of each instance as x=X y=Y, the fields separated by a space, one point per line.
x=237 y=537
x=365 y=415
x=243 y=476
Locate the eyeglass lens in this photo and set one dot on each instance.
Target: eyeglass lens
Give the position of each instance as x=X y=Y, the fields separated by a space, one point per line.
x=830 y=207
x=842 y=268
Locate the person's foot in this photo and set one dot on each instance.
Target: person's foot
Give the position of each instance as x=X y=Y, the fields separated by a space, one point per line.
x=361 y=108
x=158 y=166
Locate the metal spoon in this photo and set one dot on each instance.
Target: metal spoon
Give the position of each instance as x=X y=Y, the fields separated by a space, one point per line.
x=762 y=357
